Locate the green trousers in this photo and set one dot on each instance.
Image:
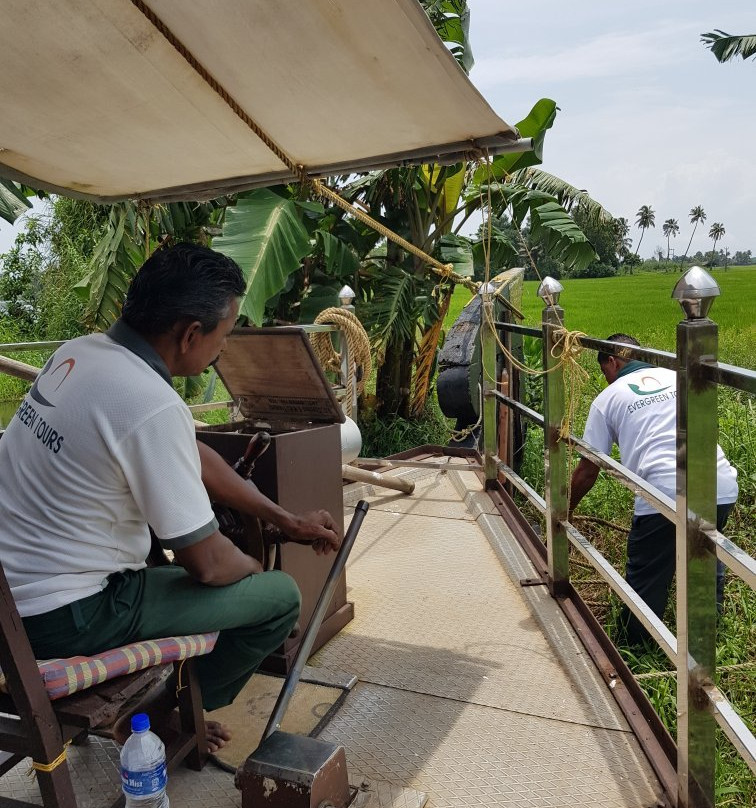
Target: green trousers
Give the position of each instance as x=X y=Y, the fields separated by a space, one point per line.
x=253 y=615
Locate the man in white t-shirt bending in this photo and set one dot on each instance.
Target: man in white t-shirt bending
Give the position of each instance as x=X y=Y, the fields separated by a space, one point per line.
x=103 y=447
x=638 y=412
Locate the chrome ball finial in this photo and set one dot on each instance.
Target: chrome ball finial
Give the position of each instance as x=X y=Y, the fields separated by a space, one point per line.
x=549 y=291
x=695 y=292
x=346 y=296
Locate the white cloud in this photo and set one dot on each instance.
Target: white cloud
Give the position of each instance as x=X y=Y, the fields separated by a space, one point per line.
x=647 y=115
x=600 y=57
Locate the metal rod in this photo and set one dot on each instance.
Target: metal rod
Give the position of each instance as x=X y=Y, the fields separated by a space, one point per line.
x=663 y=359
x=212 y=405
x=9 y=347
x=317 y=328
x=489 y=382
x=664 y=504
x=620 y=586
x=732 y=725
x=444 y=154
x=730 y=375
x=532 y=415
x=743 y=565
x=308 y=639
x=416 y=464
x=18 y=369
x=697 y=429
x=555 y=452
x=358 y=475
x=514 y=328
x=535 y=499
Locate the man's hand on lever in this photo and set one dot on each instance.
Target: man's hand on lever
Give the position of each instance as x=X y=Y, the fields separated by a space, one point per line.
x=225 y=486
x=316 y=528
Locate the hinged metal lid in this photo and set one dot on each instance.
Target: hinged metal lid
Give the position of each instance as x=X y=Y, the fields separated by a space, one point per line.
x=275 y=376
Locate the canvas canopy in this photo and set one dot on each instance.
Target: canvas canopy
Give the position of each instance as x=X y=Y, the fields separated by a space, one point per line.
x=99 y=101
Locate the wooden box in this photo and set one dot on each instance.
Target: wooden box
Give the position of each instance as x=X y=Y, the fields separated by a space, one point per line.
x=279 y=386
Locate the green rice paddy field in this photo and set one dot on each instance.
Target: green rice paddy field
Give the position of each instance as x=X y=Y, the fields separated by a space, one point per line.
x=642 y=305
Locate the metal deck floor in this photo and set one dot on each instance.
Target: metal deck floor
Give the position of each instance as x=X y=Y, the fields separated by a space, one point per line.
x=472 y=689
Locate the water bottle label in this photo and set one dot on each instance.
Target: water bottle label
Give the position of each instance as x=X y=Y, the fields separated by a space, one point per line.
x=144 y=783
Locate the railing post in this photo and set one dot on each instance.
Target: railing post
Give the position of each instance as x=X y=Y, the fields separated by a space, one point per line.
x=555 y=449
x=489 y=403
x=696 y=504
x=348 y=381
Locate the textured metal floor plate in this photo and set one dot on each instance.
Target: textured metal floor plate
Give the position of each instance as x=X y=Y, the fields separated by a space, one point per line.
x=467 y=755
x=436 y=613
x=96 y=779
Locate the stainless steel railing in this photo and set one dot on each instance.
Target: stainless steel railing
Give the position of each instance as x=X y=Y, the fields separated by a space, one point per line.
x=700 y=704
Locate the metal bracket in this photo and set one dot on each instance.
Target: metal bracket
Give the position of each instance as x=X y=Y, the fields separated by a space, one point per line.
x=534 y=581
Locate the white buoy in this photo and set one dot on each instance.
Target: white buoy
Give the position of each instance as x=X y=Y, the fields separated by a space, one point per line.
x=351 y=441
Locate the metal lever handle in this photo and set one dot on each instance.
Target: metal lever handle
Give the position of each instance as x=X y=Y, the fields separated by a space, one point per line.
x=308 y=640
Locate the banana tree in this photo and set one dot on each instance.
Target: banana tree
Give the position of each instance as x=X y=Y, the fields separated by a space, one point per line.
x=132 y=233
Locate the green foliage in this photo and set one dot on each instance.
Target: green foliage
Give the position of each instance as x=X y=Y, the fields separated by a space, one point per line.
x=72 y=234
x=451 y=19
x=458 y=251
x=595 y=270
x=562 y=238
x=537 y=122
x=726 y=46
x=21 y=278
x=586 y=211
x=385 y=436
x=13 y=201
x=115 y=260
x=265 y=236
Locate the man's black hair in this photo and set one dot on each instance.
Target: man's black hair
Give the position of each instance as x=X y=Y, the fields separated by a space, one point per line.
x=182 y=283
x=619 y=337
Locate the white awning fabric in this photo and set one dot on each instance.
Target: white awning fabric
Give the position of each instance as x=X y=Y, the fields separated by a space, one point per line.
x=99 y=101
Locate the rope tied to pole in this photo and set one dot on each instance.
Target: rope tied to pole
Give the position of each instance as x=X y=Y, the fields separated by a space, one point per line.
x=359 y=358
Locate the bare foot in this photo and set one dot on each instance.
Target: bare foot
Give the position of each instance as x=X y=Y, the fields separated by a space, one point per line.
x=216 y=736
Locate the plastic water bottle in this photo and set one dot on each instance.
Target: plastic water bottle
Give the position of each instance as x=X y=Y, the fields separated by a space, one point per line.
x=143 y=772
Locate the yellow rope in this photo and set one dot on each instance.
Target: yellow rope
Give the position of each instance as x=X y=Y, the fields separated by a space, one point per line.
x=358 y=345
x=299 y=171
x=426 y=356
x=48 y=767
x=179 y=685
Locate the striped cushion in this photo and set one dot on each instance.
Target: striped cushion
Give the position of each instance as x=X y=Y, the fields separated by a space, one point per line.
x=62 y=677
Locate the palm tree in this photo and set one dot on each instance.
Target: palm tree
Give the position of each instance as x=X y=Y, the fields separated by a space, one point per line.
x=716 y=231
x=697 y=214
x=670 y=228
x=646 y=218
x=725 y=46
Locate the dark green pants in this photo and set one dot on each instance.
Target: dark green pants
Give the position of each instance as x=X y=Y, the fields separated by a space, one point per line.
x=651 y=562
x=254 y=616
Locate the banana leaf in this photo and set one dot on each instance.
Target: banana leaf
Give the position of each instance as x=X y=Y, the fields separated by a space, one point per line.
x=538 y=120
x=265 y=236
x=12 y=201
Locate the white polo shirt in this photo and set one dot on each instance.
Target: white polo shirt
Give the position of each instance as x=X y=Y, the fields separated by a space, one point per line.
x=101 y=447
x=638 y=412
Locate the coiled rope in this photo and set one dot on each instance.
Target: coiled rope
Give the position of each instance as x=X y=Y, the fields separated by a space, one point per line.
x=359 y=359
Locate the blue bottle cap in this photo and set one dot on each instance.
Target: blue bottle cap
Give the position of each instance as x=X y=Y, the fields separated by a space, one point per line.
x=140 y=722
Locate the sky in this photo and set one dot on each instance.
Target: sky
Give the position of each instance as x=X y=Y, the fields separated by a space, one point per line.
x=647 y=115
